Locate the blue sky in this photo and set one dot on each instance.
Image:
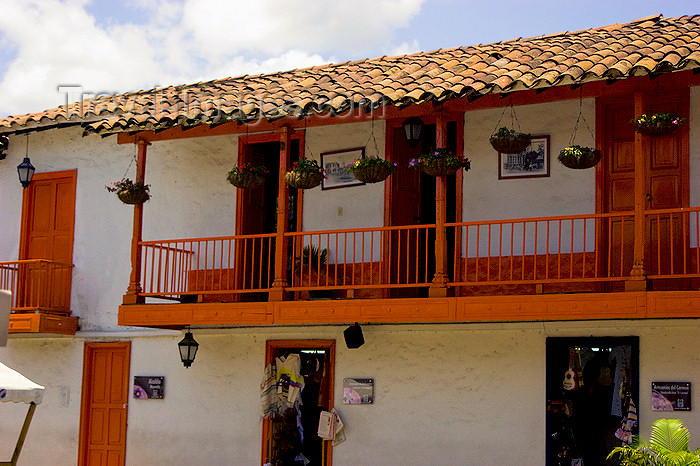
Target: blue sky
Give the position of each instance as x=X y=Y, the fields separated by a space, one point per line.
x=105 y=46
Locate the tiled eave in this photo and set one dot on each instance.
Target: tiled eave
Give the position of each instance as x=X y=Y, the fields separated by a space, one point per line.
x=649 y=46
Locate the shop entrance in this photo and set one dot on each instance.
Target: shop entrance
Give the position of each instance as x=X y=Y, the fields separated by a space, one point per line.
x=592 y=387
x=299 y=385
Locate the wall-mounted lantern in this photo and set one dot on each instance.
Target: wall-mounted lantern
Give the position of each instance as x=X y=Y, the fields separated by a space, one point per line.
x=413 y=127
x=188 y=349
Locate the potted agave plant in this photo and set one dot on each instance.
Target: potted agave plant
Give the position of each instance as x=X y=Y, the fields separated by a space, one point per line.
x=440 y=162
x=130 y=192
x=247 y=176
x=371 y=169
x=578 y=157
x=305 y=174
x=658 y=124
x=508 y=141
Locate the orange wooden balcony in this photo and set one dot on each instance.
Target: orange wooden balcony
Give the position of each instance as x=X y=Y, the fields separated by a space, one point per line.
x=495 y=270
x=40 y=296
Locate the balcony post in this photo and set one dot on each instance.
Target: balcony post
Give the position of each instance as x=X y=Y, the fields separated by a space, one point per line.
x=132 y=292
x=438 y=288
x=277 y=292
x=637 y=280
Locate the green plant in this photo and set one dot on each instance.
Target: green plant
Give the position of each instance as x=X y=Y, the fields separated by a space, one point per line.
x=311 y=256
x=658 y=122
x=505 y=134
x=130 y=192
x=579 y=157
x=306 y=166
x=668 y=445
x=440 y=154
x=367 y=162
x=258 y=170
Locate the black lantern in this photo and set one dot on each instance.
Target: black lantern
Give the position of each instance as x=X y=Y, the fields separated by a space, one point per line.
x=412 y=127
x=188 y=349
x=25 y=170
x=353 y=336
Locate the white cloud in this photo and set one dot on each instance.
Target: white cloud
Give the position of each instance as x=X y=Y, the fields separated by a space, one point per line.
x=59 y=42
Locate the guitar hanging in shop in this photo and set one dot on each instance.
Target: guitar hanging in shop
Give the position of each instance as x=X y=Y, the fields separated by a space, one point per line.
x=573 y=378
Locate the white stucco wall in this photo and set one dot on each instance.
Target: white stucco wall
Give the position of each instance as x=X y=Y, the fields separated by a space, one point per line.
x=564 y=192
x=362 y=206
x=444 y=394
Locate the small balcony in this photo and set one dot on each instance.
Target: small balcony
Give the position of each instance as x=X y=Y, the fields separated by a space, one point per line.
x=563 y=267
x=40 y=296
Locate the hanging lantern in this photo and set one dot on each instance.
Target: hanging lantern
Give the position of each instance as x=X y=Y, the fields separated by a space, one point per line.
x=412 y=127
x=188 y=349
x=25 y=170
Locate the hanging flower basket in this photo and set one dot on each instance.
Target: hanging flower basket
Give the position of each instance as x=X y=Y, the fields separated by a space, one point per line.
x=371 y=169
x=578 y=157
x=508 y=141
x=305 y=174
x=246 y=176
x=440 y=162
x=129 y=192
x=658 y=124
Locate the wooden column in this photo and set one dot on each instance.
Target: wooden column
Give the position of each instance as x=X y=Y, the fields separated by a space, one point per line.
x=439 y=286
x=277 y=292
x=132 y=292
x=637 y=281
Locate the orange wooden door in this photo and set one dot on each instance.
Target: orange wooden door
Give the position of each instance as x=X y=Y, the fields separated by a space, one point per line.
x=104 y=404
x=48 y=214
x=665 y=183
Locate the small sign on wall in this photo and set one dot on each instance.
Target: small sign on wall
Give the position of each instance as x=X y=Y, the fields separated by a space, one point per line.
x=670 y=396
x=358 y=391
x=149 y=387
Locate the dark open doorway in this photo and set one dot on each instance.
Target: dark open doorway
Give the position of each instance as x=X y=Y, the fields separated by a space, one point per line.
x=290 y=434
x=257 y=214
x=590 y=384
x=413 y=203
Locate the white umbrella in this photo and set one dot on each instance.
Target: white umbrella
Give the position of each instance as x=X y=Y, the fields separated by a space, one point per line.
x=16 y=387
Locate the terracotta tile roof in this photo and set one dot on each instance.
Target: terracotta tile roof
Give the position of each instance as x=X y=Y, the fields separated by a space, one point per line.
x=649 y=45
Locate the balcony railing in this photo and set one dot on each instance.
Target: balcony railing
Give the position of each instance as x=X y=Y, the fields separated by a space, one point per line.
x=564 y=252
x=37 y=285
x=219 y=267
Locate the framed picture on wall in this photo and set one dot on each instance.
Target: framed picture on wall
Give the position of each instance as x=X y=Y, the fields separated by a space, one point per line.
x=533 y=162
x=334 y=164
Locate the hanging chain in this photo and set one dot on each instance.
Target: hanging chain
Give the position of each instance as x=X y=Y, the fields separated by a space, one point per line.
x=578 y=119
x=513 y=116
x=371 y=136
x=133 y=159
x=306 y=141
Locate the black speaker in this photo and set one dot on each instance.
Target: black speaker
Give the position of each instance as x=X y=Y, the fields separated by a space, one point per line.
x=353 y=336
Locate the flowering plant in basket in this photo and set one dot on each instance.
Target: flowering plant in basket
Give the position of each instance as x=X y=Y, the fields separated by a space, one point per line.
x=508 y=141
x=579 y=157
x=130 y=192
x=440 y=162
x=658 y=123
x=305 y=174
x=247 y=176
x=371 y=169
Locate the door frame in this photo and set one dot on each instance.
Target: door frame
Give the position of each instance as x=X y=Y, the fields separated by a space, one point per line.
x=328 y=345
x=24 y=226
x=88 y=351
x=243 y=142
